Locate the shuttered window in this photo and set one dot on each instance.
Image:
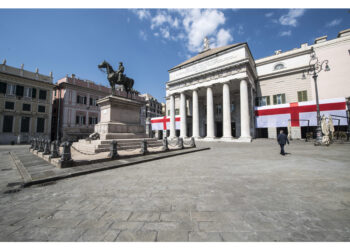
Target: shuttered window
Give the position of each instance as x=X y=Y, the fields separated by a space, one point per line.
x=33 y=93
x=42 y=94
x=3 y=87
x=302 y=96
x=26 y=107
x=40 y=125
x=19 y=90
x=279 y=99
x=25 y=124
x=8 y=123
x=41 y=109
x=9 y=105
x=263 y=101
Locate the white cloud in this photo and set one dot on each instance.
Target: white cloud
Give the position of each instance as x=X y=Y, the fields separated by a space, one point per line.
x=223 y=37
x=143 y=35
x=199 y=24
x=335 y=22
x=143 y=14
x=270 y=14
x=286 y=33
x=291 y=17
x=190 y=26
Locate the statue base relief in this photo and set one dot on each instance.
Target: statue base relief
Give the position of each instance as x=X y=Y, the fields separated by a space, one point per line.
x=120 y=120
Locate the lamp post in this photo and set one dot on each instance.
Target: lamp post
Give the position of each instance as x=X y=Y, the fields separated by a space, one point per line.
x=58 y=113
x=315 y=66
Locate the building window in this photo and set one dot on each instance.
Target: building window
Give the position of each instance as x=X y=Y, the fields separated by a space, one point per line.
x=302 y=96
x=11 y=90
x=81 y=99
x=3 y=87
x=218 y=109
x=19 y=90
x=92 y=120
x=28 y=92
x=26 y=107
x=279 y=99
x=41 y=109
x=262 y=101
x=42 y=94
x=8 y=123
x=79 y=119
x=9 y=105
x=93 y=101
x=279 y=66
x=25 y=124
x=33 y=93
x=177 y=112
x=40 y=125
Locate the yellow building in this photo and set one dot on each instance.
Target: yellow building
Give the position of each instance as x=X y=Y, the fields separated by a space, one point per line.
x=25 y=104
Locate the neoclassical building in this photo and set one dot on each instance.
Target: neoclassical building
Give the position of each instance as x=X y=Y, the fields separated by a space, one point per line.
x=216 y=89
x=224 y=94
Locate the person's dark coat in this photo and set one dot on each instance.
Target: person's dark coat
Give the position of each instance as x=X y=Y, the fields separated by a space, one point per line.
x=282 y=139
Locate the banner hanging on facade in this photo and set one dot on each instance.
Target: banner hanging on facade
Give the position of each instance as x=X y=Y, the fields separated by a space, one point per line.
x=163 y=123
x=300 y=113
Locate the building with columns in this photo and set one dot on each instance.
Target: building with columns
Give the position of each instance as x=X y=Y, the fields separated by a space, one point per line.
x=214 y=94
x=217 y=92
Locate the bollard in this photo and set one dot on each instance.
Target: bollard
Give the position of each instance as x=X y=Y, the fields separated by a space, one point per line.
x=55 y=149
x=46 y=147
x=41 y=145
x=113 y=154
x=180 y=143
x=36 y=144
x=192 y=143
x=144 y=147
x=31 y=143
x=66 y=154
x=165 y=144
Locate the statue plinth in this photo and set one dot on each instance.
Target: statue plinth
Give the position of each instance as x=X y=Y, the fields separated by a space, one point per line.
x=120 y=118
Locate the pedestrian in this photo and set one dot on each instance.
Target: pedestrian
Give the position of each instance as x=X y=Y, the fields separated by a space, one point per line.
x=282 y=140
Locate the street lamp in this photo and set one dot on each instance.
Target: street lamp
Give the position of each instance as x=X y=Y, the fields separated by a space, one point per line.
x=315 y=66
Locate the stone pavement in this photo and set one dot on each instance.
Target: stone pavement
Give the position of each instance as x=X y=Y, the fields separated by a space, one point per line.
x=233 y=192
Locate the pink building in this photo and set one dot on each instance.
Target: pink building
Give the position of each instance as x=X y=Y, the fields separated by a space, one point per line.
x=75 y=99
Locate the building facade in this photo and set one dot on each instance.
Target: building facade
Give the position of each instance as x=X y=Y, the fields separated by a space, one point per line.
x=217 y=92
x=75 y=111
x=153 y=108
x=25 y=104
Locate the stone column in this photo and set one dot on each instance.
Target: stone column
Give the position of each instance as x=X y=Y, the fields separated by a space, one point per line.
x=210 y=114
x=226 y=118
x=195 y=114
x=183 y=124
x=172 y=117
x=245 y=129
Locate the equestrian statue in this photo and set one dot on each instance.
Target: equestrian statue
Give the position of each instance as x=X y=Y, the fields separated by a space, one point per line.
x=117 y=77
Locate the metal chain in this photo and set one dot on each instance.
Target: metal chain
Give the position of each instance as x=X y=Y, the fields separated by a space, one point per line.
x=84 y=153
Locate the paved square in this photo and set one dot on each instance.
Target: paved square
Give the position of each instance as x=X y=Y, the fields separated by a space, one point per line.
x=233 y=192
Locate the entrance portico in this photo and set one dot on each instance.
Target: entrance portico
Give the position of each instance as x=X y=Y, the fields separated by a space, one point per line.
x=215 y=99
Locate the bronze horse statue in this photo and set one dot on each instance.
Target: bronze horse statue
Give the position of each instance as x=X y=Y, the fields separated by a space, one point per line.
x=117 y=77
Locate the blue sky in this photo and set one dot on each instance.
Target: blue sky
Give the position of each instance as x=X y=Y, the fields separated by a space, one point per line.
x=150 y=41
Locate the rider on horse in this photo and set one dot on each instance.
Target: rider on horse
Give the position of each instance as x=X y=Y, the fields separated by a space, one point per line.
x=120 y=72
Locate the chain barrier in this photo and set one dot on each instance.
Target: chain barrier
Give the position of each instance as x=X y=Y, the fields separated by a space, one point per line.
x=84 y=153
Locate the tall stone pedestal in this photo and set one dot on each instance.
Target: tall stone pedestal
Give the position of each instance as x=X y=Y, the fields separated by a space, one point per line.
x=120 y=118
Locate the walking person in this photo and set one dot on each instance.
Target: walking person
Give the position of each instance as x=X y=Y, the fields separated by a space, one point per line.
x=282 y=140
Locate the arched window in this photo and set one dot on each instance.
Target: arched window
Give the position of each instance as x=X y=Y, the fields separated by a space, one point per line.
x=279 y=66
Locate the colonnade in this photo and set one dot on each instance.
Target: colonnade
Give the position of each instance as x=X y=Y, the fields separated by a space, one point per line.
x=227 y=134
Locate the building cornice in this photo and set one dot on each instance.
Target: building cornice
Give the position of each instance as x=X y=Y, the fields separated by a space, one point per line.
x=27 y=78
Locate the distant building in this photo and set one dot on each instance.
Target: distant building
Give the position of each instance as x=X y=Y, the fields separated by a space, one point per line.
x=75 y=99
x=153 y=108
x=25 y=104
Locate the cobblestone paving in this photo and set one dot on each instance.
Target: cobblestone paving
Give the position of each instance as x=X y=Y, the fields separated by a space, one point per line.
x=233 y=192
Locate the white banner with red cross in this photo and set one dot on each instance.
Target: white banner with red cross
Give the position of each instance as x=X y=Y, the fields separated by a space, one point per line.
x=300 y=113
x=163 y=123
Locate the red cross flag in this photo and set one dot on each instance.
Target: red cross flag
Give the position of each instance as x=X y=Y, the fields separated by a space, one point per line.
x=163 y=123
x=297 y=112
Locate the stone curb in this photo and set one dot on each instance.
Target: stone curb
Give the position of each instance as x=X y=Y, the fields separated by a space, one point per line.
x=122 y=163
